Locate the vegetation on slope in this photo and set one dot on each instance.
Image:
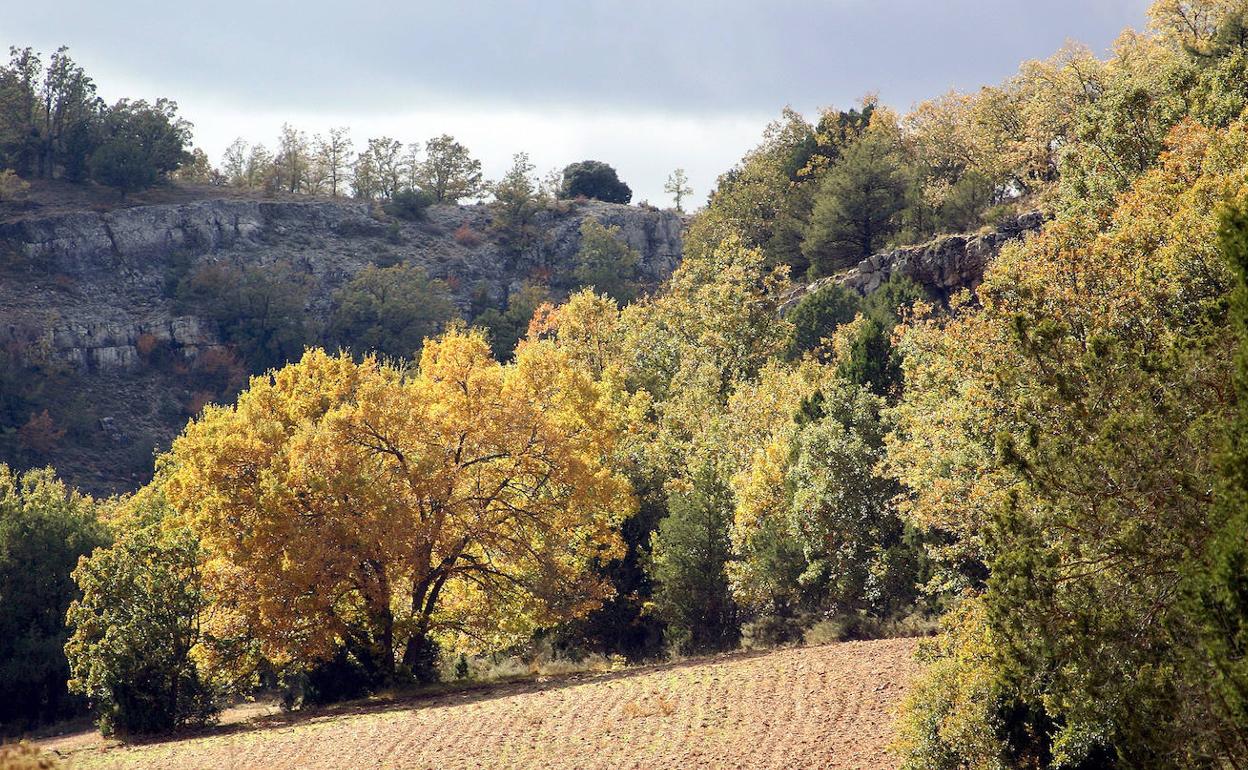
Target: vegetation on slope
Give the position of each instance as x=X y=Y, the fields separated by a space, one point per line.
x=1052 y=465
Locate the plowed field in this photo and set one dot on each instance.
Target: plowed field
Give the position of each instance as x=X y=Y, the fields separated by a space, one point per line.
x=817 y=707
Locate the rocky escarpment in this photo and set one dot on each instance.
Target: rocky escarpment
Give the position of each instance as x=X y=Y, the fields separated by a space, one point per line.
x=90 y=314
x=942 y=266
x=85 y=286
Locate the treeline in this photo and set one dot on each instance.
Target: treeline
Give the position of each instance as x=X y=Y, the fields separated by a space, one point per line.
x=54 y=126
x=441 y=170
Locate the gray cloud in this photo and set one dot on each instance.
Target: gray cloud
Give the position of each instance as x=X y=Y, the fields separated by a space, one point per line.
x=686 y=56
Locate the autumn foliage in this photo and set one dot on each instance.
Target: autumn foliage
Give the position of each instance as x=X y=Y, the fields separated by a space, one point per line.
x=365 y=506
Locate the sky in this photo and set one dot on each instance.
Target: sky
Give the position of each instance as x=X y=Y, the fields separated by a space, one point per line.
x=645 y=85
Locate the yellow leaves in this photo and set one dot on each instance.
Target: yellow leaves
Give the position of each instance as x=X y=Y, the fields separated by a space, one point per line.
x=334 y=486
x=1190 y=23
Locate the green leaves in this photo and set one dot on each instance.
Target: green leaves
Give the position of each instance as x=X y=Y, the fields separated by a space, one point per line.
x=137 y=628
x=44 y=528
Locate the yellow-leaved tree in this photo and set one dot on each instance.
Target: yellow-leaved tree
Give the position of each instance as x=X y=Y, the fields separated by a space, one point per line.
x=365 y=509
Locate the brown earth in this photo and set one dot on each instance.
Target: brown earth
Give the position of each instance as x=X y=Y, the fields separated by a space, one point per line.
x=816 y=707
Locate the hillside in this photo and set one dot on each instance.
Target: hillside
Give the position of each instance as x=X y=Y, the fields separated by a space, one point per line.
x=815 y=707
x=85 y=285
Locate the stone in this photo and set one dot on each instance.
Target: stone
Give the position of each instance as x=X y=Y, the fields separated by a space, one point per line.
x=944 y=265
x=92 y=283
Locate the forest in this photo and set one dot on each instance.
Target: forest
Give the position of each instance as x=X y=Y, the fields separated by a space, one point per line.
x=1045 y=476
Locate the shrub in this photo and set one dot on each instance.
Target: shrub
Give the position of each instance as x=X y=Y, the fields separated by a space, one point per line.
x=136 y=629
x=40 y=435
x=12 y=187
x=409 y=205
x=389 y=311
x=467 y=237
x=817 y=315
x=606 y=262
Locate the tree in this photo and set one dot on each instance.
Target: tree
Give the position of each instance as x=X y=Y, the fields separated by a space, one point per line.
x=856 y=206
x=1216 y=588
x=45 y=527
x=293 y=159
x=234 y=163
x=138 y=627
x=1062 y=442
x=259 y=309
x=515 y=205
x=690 y=551
x=605 y=262
x=66 y=112
x=198 y=169
x=389 y=311
x=508 y=326
x=448 y=172
x=677 y=186
x=841 y=512
x=380 y=169
x=143 y=144
x=594 y=179
x=358 y=507
x=817 y=315
x=259 y=166
x=333 y=152
x=18 y=133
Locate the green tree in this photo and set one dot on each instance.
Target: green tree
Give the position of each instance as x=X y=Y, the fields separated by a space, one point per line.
x=18 y=134
x=293 y=161
x=817 y=315
x=842 y=514
x=856 y=208
x=508 y=326
x=677 y=186
x=137 y=630
x=448 y=172
x=606 y=262
x=515 y=206
x=390 y=311
x=594 y=179
x=261 y=310
x=1061 y=440
x=44 y=528
x=379 y=169
x=1219 y=587
x=142 y=144
x=689 y=553
x=65 y=116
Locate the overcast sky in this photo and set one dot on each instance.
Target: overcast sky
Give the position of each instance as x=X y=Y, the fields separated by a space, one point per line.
x=646 y=85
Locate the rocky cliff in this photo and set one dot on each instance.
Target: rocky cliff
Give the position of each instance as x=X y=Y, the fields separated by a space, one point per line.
x=942 y=266
x=87 y=285
x=85 y=291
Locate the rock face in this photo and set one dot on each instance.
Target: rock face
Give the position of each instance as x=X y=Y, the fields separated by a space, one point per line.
x=942 y=266
x=89 y=297
x=85 y=286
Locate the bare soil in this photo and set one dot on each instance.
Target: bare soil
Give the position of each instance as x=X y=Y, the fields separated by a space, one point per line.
x=816 y=707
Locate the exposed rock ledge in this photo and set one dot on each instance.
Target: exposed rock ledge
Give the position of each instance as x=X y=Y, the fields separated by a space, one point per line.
x=86 y=285
x=942 y=266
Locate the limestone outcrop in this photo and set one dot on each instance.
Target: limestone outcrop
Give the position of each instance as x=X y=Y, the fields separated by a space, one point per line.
x=86 y=285
x=943 y=266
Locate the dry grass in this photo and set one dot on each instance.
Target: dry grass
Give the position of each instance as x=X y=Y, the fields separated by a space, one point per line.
x=827 y=707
